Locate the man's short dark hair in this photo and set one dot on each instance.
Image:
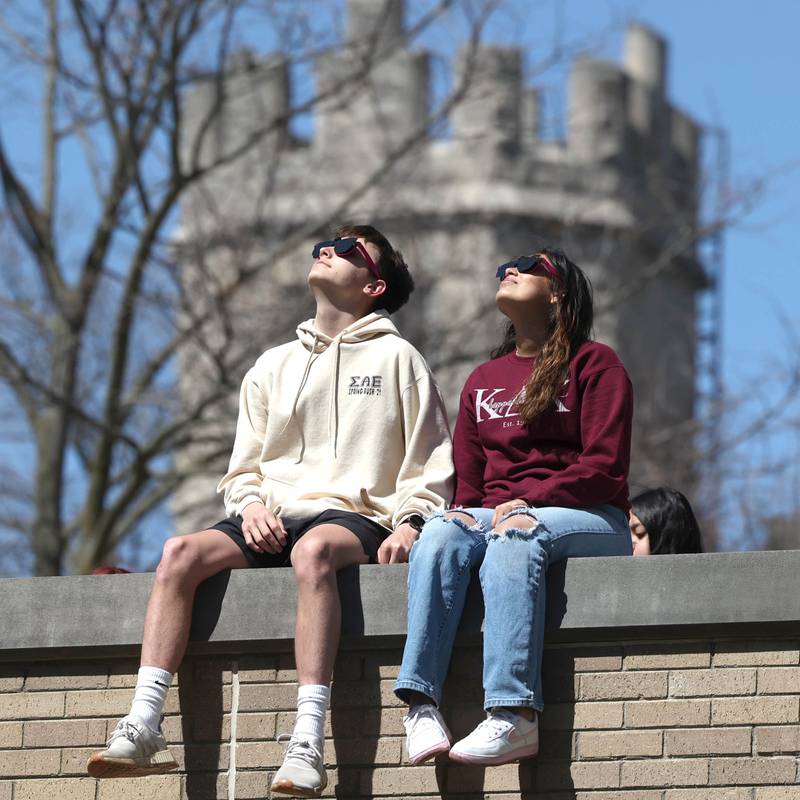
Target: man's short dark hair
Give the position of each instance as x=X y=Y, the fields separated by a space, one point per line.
x=391 y=266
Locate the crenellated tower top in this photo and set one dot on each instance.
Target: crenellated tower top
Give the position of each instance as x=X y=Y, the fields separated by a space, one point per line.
x=622 y=132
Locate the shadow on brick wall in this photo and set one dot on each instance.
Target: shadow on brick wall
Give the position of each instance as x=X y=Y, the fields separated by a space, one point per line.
x=355 y=710
x=200 y=689
x=551 y=771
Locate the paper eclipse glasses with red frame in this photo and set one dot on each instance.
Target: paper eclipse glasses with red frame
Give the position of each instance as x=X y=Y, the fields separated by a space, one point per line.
x=528 y=264
x=346 y=247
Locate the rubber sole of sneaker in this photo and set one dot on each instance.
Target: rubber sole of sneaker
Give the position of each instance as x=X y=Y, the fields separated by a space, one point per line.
x=100 y=767
x=287 y=787
x=427 y=755
x=521 y=754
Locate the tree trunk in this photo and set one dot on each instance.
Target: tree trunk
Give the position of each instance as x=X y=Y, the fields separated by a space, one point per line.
x=48 y=539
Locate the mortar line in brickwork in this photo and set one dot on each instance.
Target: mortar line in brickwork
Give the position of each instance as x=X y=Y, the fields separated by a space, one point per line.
x=232 y=743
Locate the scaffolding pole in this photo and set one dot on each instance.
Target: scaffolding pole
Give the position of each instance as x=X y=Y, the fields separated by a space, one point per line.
x=710 y=382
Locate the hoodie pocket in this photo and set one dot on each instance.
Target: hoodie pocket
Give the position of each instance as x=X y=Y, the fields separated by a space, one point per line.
x=275 y=491
x=345 y=499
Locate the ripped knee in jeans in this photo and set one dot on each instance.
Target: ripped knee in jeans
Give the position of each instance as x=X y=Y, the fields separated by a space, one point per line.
x=460 y=516
x=463 y=520
x=520 y=524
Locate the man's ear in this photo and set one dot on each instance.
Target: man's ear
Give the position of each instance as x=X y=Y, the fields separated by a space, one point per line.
x=375 y=288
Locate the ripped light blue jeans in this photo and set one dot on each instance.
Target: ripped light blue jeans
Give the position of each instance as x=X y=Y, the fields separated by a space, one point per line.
x=512 y=573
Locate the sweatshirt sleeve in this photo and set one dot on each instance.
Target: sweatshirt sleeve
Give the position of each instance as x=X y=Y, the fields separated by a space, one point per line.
x=600 y=472
x=425 y=479
x=468 y=454
x=242 y=483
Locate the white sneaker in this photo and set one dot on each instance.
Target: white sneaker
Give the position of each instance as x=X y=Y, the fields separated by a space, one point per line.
x=502 y=737
x=133 y=749
x=426 y=733
x=302 y=773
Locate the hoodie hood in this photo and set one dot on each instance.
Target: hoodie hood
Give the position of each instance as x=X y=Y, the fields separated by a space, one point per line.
x=378 y=323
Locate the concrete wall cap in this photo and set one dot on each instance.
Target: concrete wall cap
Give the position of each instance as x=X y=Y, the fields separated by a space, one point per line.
x=587 y=598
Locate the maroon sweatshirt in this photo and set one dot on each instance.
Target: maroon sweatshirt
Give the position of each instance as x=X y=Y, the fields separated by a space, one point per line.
x=576 y=455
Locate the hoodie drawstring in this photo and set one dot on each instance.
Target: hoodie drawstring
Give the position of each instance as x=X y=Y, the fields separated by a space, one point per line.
x=333 y=405
x=292 y=416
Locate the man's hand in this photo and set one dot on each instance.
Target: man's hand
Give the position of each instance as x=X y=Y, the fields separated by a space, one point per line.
x=396 y=546
x=263 y=531
x=504 y=508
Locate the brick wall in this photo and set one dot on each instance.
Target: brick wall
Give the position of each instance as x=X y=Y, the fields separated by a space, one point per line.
x=700 y=720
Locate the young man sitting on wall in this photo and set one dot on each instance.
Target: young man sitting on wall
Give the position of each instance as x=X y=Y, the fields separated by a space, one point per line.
x=342 y=446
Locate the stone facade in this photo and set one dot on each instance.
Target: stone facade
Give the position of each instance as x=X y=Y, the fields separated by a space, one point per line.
x=619 y=194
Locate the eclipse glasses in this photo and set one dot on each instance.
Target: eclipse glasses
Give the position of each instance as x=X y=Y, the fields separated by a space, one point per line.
x=346 y=247
x=528 y=264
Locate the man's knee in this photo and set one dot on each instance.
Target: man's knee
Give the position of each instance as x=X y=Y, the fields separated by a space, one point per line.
x=179 y=560
x=312 y=558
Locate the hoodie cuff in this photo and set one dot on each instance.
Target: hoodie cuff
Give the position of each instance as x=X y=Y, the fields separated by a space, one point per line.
x=251 y=498
x=402 y=516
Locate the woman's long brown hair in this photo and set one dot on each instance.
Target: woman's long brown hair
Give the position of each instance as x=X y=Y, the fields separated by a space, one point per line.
x=571 y=326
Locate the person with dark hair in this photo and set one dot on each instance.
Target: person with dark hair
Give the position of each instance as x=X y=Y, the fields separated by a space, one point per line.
x=541 y=449
x=342 y=447
x=391 y=267
x=662 y=521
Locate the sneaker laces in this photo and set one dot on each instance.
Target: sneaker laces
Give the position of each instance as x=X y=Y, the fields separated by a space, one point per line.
x=301 y=749
x=130 y=730
x=498 y=722
x=125 y=729
x=423 y=716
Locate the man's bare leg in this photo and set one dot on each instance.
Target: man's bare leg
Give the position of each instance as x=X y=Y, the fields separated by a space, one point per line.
x=185 y=563
x=316 y=558
x=137 y=747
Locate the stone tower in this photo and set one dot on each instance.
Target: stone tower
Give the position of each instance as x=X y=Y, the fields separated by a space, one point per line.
x=619 y=194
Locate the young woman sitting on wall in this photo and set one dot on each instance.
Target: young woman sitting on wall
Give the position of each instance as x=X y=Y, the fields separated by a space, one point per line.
x=542 y=448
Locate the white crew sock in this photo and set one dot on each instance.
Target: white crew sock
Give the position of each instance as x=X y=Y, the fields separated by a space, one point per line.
x=312 y=702
x=151 y=694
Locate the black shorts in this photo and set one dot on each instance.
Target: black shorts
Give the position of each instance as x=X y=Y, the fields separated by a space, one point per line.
x=369 y=533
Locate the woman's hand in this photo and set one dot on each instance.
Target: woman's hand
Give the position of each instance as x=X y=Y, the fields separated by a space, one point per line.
x=504 y=508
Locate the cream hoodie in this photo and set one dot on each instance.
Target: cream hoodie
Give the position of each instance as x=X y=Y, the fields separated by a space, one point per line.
x=355 y=422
